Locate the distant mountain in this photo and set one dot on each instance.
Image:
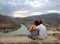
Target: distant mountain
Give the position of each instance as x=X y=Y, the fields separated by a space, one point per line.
x=7 y=22
x=51 y=19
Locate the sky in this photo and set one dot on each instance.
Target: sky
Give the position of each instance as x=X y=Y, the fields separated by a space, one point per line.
x=25 y=8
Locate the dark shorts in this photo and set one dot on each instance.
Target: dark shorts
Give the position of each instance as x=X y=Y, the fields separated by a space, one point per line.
x=34 y=33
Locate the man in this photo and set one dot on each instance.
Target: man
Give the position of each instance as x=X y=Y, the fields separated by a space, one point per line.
x=42 y=31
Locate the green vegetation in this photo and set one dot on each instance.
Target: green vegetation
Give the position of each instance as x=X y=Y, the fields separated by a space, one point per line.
x=52 y=20
x=7 y=24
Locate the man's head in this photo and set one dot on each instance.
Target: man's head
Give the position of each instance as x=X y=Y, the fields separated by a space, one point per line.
x=41 y=22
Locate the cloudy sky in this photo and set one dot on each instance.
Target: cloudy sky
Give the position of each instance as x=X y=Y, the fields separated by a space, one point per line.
x=23 y=8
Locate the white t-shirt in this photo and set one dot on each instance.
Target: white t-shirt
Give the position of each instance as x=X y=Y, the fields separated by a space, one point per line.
x=42 y=31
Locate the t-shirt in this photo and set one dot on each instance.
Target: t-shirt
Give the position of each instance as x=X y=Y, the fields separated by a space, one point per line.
x=42 y=31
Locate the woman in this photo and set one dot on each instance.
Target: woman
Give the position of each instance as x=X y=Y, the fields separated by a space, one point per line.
x=33 y=30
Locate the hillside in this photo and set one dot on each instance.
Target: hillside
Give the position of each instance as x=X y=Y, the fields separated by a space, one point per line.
x=8 y=24
x=50 y=20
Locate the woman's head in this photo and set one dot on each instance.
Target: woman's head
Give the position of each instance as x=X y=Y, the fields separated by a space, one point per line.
x=36 y=22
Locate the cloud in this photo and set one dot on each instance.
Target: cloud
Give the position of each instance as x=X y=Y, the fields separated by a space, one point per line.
x=53 y=11
x=25 y=13
x=46 y=0
x=32 y=7
x=21 y=13
x=37 y=13
x=12 y=3
x=36 y=3
x=53 y=4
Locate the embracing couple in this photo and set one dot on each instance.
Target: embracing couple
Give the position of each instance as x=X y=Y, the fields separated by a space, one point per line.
x=38 y=30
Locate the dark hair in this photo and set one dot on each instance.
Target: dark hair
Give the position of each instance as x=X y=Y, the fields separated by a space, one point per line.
x=41 y=22
x=36 y=22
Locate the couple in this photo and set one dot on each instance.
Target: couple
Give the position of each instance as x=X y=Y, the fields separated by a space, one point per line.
x=38 y=30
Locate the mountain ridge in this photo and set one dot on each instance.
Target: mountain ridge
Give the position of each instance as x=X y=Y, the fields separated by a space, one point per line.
x=51 y=19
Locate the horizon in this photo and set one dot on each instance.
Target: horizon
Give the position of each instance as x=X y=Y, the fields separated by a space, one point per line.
x=32 y=15
x=26 y=8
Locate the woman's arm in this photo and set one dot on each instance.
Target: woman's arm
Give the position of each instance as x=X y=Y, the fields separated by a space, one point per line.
x=33 y=27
